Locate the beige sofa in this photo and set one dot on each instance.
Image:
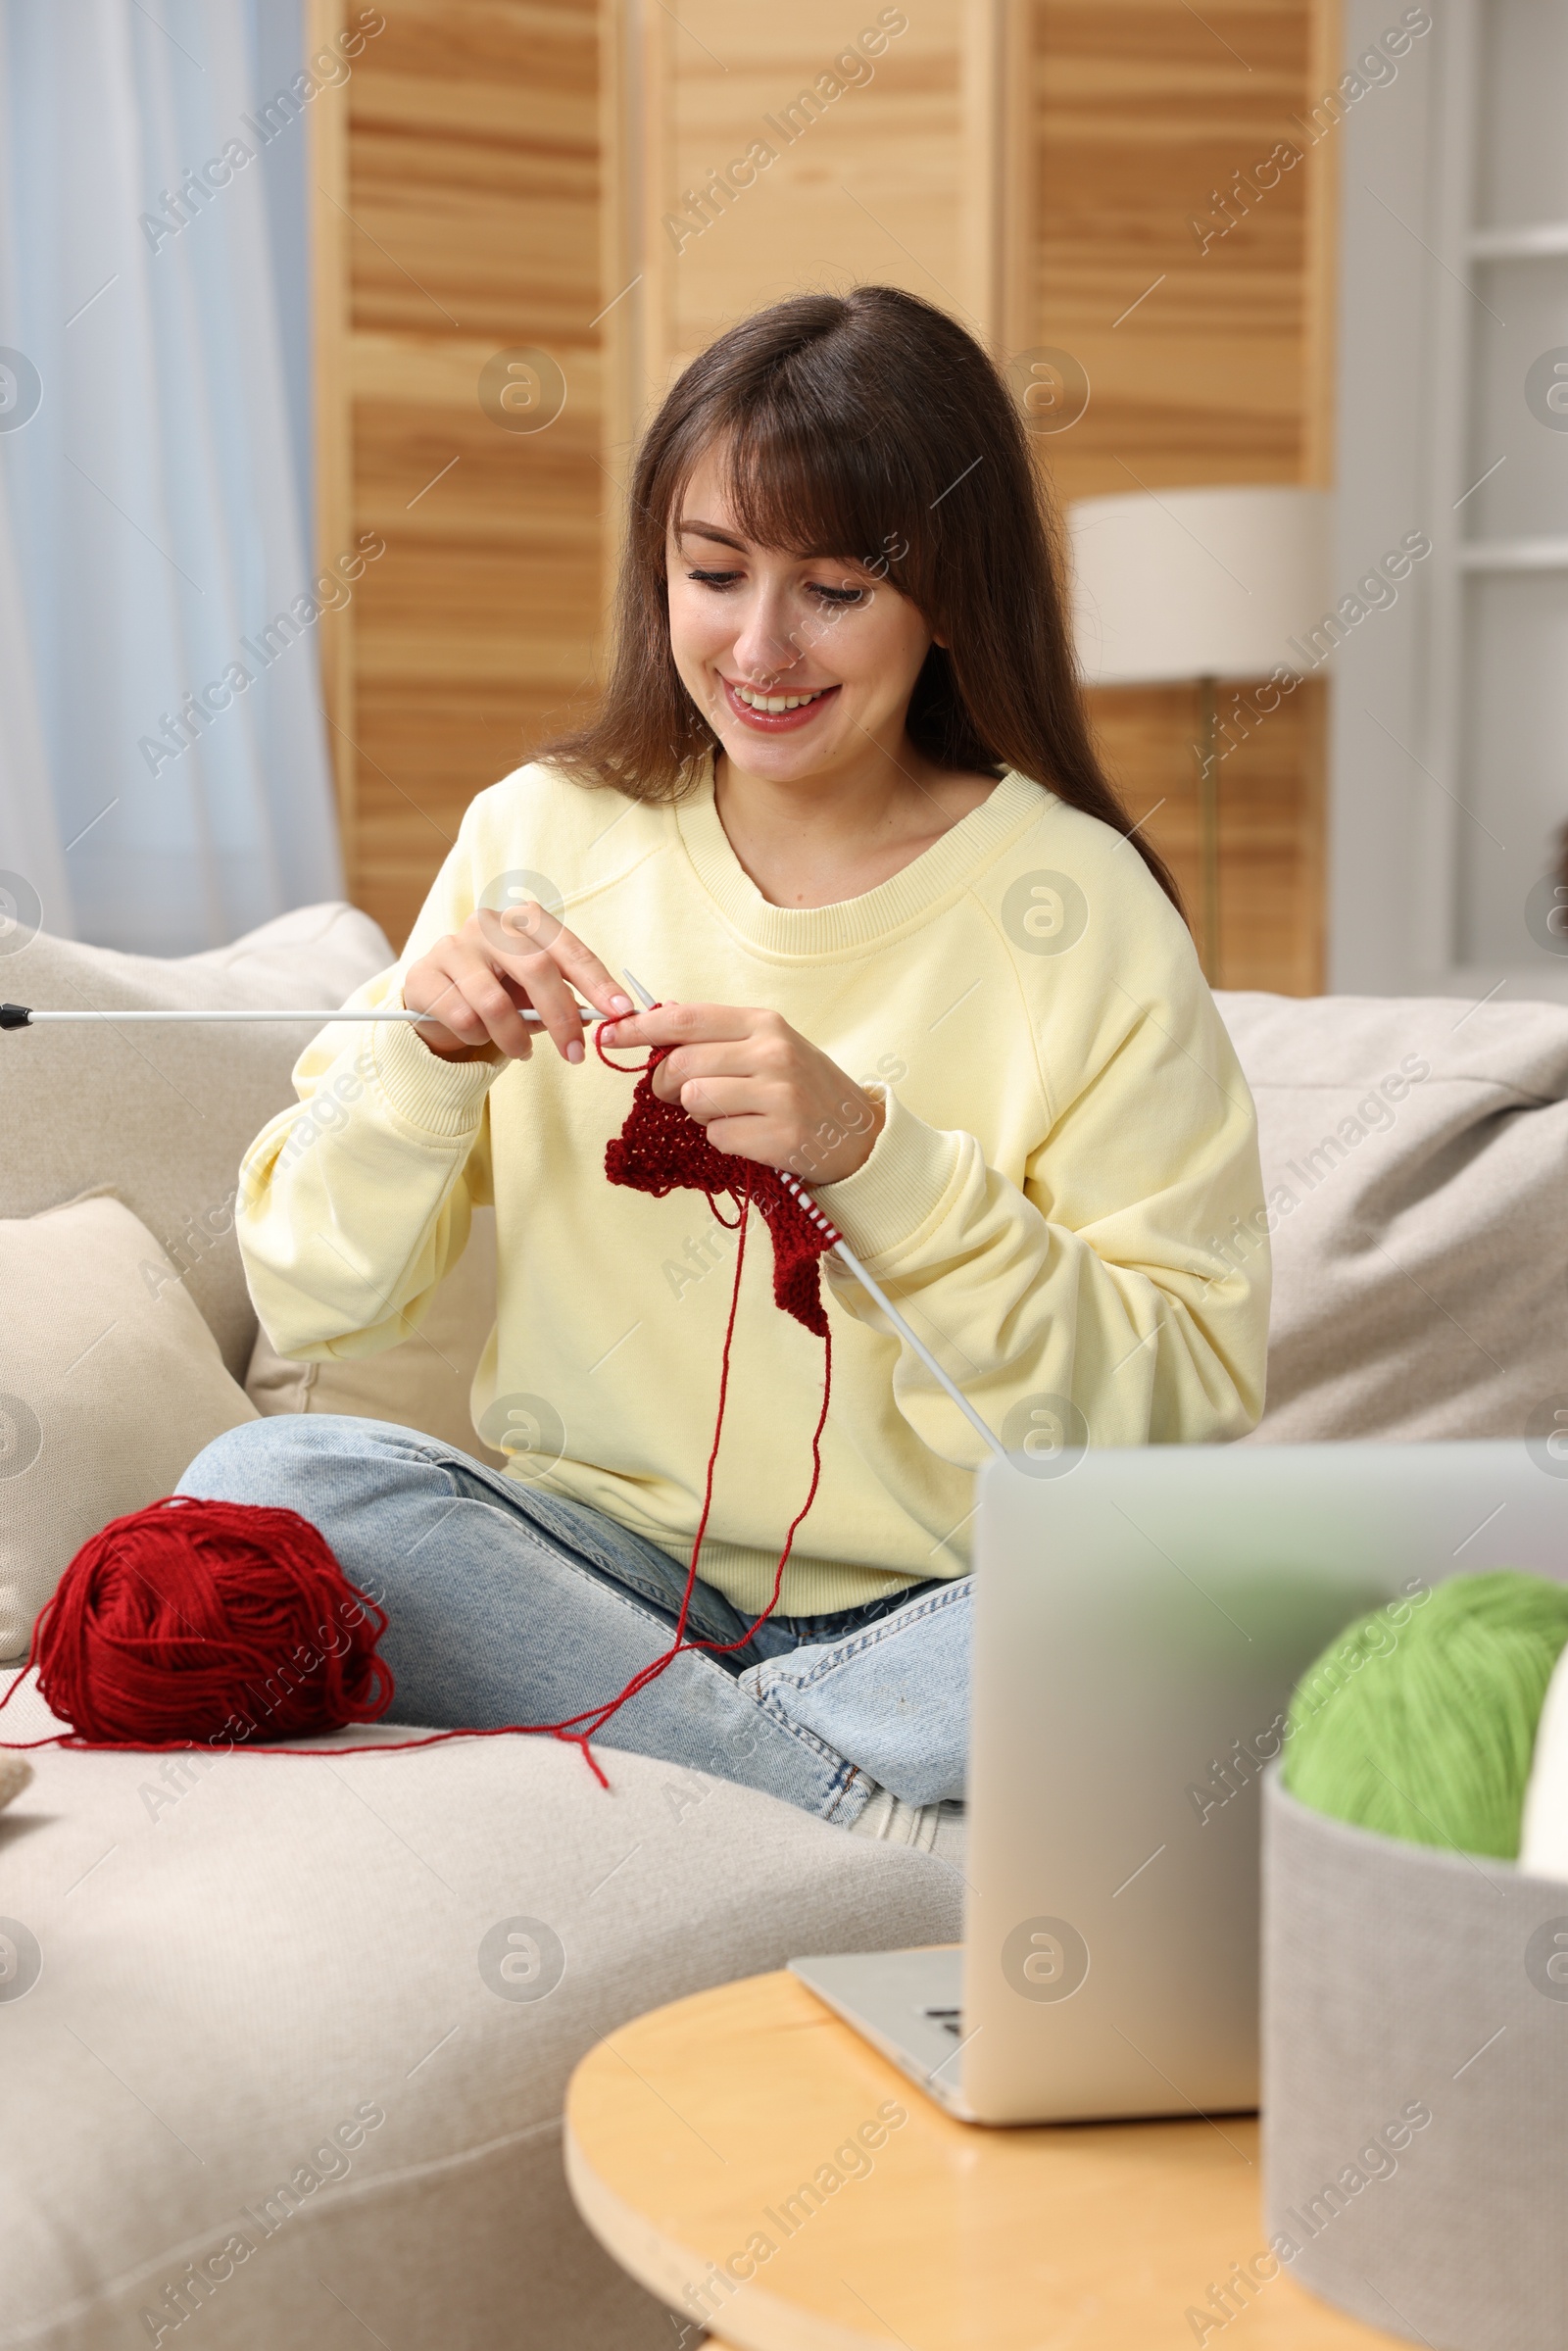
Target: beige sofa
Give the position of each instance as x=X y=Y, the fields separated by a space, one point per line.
x=265 y=2077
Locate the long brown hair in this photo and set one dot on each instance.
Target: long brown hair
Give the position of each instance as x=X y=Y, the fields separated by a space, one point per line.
x=867 y=426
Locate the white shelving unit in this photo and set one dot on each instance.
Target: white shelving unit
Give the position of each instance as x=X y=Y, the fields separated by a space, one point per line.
x=1450 y=731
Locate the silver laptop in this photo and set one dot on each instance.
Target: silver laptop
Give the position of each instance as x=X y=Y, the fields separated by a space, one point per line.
x=1140 y=1623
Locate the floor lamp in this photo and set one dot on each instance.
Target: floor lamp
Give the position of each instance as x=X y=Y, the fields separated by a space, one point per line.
x=1196 y=586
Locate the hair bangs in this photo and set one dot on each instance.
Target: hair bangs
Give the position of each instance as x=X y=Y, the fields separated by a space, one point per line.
x=817 y=476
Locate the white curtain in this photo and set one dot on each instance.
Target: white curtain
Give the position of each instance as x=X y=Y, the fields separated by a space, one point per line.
x=153 y=507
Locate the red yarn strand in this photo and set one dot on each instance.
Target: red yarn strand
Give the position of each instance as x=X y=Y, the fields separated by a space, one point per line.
x=596 y=1717
x=741 y=1222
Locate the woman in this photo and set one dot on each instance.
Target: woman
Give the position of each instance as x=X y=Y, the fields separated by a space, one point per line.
x=841 y=812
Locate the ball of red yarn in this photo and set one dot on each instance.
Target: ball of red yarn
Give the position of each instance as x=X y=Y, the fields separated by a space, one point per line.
x=209 y=1621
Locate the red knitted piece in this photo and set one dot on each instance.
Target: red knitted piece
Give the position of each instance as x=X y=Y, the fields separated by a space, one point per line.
x=660 y=1149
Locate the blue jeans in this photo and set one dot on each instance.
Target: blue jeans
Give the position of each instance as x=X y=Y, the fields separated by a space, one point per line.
x=507 y=1604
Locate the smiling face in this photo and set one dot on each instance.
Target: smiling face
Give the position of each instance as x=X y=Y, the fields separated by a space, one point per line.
x=802 y=664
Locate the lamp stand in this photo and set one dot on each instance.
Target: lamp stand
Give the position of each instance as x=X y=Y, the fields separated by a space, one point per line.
x=1207 y=748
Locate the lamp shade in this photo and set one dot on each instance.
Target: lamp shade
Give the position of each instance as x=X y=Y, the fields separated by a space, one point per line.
x=1196 y=583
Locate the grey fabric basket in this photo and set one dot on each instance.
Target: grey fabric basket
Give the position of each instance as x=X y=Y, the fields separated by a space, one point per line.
x=1399 y=1979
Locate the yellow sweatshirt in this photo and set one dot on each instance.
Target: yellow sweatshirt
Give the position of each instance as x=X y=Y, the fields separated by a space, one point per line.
x=1069 y=1146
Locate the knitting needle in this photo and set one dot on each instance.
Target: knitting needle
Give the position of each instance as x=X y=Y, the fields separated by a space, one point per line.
x=21 y=1016
x=24 y=1016
x=872 y=1289
x=875 y=1291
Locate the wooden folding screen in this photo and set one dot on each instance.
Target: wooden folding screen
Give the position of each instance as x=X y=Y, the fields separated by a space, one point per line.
x=574 y=199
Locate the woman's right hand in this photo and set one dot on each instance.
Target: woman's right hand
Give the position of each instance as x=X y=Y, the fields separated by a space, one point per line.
x=478 y=979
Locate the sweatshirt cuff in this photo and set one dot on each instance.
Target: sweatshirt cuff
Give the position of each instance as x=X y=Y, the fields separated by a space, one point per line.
x=441 y=1098
x=886 y=1203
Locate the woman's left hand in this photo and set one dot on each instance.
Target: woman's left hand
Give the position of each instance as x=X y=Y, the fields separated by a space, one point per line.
x=759 y=1088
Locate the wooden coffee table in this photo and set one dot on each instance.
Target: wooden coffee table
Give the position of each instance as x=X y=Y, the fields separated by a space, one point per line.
x=740 y=2154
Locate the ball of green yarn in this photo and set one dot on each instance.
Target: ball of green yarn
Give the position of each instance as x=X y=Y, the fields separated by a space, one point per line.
x=1425 y=1729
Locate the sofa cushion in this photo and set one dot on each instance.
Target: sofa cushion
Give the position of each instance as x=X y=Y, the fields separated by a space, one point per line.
x=423 y=1382
x=164 y=1114
x=110 y=1386
x=227 y=1969
x=1415 y=1159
